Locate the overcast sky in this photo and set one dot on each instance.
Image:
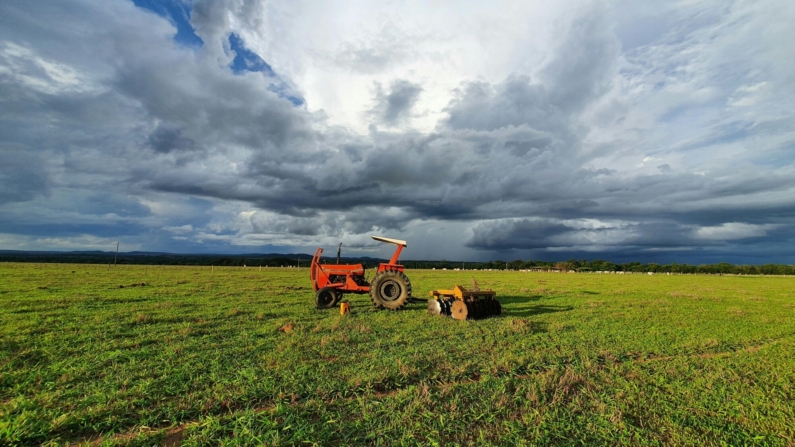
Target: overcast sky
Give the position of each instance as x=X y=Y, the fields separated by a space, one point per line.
x=649 y=131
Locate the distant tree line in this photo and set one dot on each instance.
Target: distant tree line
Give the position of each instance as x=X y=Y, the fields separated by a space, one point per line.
x=607 y=266
x=600 y=265
x=303 y=260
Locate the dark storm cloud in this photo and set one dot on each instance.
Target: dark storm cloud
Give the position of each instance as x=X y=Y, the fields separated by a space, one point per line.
x=167 y=138
x=515 y=102
x=97 y=203
x=516 y=235
x=524 y=234
x=394 y=108
x=21 y=175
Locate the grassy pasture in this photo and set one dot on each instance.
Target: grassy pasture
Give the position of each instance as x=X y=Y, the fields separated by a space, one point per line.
x=195 y=357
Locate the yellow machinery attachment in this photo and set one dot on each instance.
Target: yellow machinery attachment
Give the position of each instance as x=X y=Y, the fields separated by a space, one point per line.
x=463 y=304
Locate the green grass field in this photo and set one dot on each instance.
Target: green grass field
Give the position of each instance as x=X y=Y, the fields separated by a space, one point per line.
x=195 y=357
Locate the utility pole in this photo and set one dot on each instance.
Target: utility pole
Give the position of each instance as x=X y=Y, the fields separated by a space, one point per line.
x=117 y=253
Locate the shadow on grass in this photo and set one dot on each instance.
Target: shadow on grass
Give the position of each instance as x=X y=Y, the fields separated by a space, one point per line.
x=517 y=299
x=510 y=308
x=536 y=310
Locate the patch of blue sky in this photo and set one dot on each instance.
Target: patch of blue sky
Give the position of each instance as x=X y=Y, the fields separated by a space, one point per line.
x=178 y=12
x=246 y=60
x=284 y=92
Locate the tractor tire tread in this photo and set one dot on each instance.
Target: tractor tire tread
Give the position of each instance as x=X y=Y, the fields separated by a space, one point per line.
x=400 y=277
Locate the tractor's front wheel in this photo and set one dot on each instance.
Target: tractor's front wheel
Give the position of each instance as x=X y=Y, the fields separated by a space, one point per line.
x=327 y=297
x=390 y=289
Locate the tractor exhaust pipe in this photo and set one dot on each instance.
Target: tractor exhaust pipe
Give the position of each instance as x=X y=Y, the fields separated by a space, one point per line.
x=339 y=250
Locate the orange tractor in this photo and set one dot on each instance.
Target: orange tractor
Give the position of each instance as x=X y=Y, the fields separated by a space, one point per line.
x=389 y=289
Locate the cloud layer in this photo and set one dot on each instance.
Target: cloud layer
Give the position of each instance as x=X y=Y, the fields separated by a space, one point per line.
x=516 y=131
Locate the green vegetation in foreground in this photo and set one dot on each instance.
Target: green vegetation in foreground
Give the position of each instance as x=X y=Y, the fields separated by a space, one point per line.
x=196 y=357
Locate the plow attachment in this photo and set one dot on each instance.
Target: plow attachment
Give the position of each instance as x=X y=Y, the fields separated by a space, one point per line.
x=463 y=304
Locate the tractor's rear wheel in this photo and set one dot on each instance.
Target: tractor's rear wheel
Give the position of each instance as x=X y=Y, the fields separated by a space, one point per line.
x=327 y=297
x=390 y=289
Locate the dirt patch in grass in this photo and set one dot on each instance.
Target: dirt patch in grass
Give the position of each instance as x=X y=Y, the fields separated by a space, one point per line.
x=174 y=436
